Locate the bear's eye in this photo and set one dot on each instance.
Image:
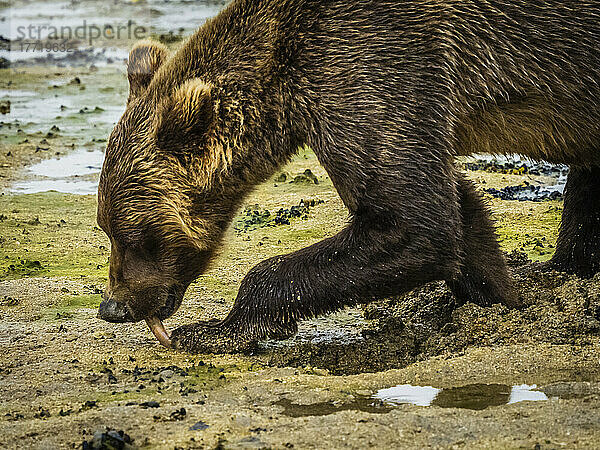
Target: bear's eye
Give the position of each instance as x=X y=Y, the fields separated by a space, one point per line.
x=151 y=247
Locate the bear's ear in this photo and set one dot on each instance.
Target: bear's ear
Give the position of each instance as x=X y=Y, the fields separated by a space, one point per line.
x=144 y=60
x=184 y=118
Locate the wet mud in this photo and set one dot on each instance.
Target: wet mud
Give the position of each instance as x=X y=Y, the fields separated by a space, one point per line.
x=557 y=309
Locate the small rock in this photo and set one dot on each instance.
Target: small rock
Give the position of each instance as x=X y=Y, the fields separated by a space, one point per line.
x=42 y=414
x=4 y=106
x=168 y=373
x=8 y=301
x=13 y=417
x=108 y=440
x=150 y=404
x=178 y=414
x=282 y=177
x=306 y=178
x=89 y=404
x=198 y=426
x=104 y=335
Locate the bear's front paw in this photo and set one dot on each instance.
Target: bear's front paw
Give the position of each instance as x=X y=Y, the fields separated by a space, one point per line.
x=208 y=337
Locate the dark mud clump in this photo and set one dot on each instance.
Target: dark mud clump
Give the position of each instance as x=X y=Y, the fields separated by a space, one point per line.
x=5 y=107
x=300 y=211
x=305 y=178
x=527 y=192
x=25 y=267
x=254 y=217
x=557 y=308
x=108 y=439
x=8 y=301
x=199 y=426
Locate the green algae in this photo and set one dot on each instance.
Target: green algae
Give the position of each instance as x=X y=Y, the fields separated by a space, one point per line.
x=51 y=234
x=70 y=307
x=529 y=227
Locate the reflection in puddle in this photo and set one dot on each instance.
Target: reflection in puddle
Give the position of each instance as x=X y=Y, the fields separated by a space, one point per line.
x=406 y=393
x=61 y=174
x=473 y=396
x=524 y=393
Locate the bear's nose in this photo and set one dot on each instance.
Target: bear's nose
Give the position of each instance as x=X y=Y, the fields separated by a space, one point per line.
x=114 y=312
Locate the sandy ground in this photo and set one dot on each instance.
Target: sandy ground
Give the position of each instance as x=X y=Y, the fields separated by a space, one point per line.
x=62 y=380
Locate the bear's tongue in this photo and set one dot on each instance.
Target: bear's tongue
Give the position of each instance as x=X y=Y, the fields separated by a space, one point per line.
x=159 y=331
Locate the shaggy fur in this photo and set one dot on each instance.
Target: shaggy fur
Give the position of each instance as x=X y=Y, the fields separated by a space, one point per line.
x=387 y=93
x=578 y=246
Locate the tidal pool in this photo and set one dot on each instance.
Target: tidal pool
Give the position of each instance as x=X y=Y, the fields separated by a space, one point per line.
x=75 y=173
x=473 y=396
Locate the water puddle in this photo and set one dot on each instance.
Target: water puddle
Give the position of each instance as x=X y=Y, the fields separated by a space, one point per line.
x=342 y=327
x=80 y=187
x=362 y=403
x=75 y=164
x=473 y=396
x=171 y=16
x=74 y=113
x=75 y=173
x=515 y=164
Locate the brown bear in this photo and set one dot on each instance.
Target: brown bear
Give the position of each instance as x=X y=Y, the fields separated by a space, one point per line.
x=387 y=93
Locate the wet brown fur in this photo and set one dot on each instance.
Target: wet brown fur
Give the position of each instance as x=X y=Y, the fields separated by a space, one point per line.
x=387 y=94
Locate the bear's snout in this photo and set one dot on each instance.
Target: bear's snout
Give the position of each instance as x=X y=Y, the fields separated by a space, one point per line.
x=112 y=311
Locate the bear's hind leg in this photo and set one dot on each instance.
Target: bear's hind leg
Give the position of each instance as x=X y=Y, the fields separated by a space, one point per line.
x=578 y=245
x=484 y=278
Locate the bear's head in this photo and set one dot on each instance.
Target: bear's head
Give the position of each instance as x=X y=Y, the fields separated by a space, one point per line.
x=158 y=198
